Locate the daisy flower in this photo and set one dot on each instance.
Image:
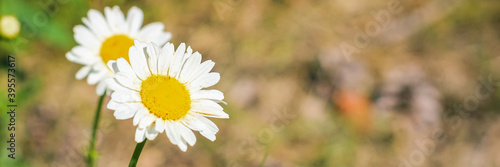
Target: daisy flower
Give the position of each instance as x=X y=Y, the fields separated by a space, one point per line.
x=108 y=37
x=161 y=89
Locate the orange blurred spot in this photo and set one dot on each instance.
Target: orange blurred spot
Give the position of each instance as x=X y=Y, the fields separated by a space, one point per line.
x=355 y=107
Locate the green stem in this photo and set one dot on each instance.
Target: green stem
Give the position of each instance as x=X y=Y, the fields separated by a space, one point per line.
x=91 y=153
x=137 y=153
x=264 y=159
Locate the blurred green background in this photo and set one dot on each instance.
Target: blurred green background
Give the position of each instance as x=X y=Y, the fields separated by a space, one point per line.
x=421 y=91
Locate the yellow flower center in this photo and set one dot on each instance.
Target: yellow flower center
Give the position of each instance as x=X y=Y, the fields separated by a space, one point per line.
x=115 y=47
x=165 y=97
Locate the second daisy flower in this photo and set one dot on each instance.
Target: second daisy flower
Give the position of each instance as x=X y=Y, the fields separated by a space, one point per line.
x=108 y=37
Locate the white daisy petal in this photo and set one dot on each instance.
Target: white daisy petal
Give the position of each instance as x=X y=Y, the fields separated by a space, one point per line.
x=152 y=57
x=115 y=86
x=209 y=125
x=83 y=72
x=95 y=29
x=84 y=37
x=75 y=59
x=189 y=52
x=113 y=66
x=124 y=80
x=125 y=113
x=162 y=38
x=139 y=115
x=160 y=125
x=202 y=69
x=151 y=132
x=96 y=76
x=182 y=145
x=98 y=22
x=134 y=21
x=139 y=64
x=140 y=135
x=83 y=52
x=187 y=135
x=204 y=81
x=123 y=27
x=165 y=57
x=115 y=19
x=125 y=67
x=71 y=56
x=151 y=31
x=207 y=94
x=140 y=45
x=193 y=61
x=84 y=55
x=210 y=135
x=126 y=96
x=192 y=123
x=176 y=64
x=147 y=120
x=185 y=57
x=172 y=131
x=101 y=87
x=208 y=108
x=113 y=105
